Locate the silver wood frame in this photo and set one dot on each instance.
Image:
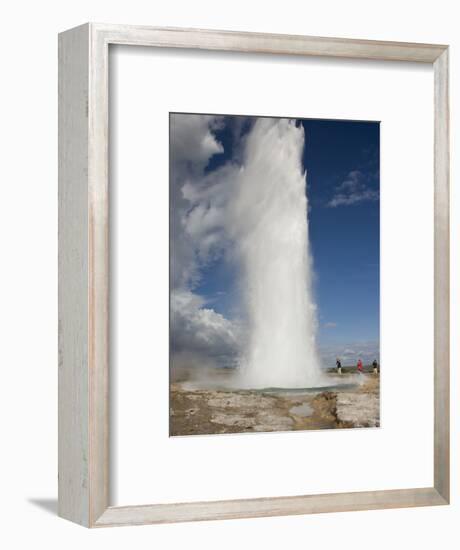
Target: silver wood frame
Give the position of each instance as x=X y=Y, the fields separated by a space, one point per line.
x=84 y=274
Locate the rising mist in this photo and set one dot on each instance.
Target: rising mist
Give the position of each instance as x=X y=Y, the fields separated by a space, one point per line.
x=269 y=210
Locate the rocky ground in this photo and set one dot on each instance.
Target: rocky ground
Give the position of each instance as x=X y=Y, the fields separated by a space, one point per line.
x=352 y=404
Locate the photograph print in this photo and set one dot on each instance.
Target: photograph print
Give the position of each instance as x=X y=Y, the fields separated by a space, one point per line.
x=274 y=274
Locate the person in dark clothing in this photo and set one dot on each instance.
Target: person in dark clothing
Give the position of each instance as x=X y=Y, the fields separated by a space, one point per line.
x=339 y=366
x=375 y=366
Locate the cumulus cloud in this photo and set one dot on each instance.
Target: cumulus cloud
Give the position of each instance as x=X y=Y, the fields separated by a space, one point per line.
x=199 y=335
x=198 y=197
x=352 y=190
x=192 y=140
x=200 y=327
x=200 y=332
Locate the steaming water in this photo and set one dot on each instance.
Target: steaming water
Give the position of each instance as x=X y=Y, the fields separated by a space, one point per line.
x=270 y=208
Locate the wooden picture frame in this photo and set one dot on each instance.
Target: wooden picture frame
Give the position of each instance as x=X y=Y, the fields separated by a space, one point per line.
x=84 y=274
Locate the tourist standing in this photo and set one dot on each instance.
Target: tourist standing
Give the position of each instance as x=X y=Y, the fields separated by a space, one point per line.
x=360 y=366
x=339 y=366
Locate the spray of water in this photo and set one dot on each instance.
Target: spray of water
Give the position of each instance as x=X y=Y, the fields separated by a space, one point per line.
x=269 y=208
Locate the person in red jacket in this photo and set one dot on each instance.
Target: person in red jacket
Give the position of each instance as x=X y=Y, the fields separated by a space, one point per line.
x=360 y=366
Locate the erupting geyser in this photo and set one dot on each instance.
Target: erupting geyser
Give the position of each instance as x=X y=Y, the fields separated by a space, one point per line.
x=270 y=204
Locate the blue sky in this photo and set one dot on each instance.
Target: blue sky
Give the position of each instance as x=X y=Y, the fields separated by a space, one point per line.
x=342 y=163
x=344 y=237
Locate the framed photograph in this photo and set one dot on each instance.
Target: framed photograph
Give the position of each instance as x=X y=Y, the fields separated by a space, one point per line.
x=253 y=275
x=265 y=268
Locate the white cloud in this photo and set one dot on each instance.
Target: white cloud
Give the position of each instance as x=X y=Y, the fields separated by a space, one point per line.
x=353 y=190
x=330 y=325
x=192 y=140
x=199 y=335
x=198 y=198
x=191 y=146
x=201 y=331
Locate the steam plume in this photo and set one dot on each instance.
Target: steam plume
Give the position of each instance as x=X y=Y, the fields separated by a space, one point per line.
x=271 y=234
